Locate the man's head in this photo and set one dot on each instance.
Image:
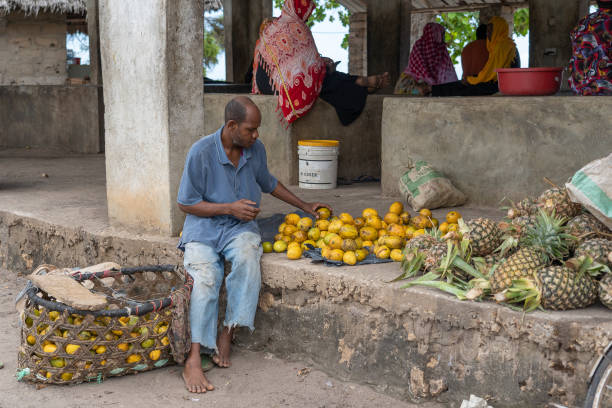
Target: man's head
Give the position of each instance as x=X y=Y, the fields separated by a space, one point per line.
x=242 y=119
x=481 y=32
x=604 y=4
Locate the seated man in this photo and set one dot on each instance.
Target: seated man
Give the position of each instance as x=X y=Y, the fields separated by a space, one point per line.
x=475 y=55
x=590 y=67
x=220 y=191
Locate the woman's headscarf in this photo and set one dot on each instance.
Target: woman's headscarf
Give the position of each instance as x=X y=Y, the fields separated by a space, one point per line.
x=502 y=52
x=287 y=51
x=429 y=59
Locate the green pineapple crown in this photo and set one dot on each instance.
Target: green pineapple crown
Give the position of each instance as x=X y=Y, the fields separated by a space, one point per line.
x=548 y=237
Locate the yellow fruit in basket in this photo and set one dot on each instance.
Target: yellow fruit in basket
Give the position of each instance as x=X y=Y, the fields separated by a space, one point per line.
x=280 y=246
x=361 y=254
x=305 y=245
x=292 y=219
x=335 y=242
x=405 y=218
x=65 y=333
x=346 y=218
x=267 y=247
x=36 y=312
x=28 y=321
x=397 y=255
x=304 y=224
x=123 y=346
x=348 y=245
x=443 y=227
x=133 y=320
x=53 y=315
x=393 y=242
x=58 y=362
x=391 y=218
x=147 y=343
x=453 y=217
x=349 y=231
x=322 y=225
x=48 y=374
x=84 y=335
x=103 y=362
x=396 y=208
x=124 y=320
x=66 y=376
x=289 y=230
x=374 y=222
x=100 y=349
x=281 y=227
x=368 y=234
x=336 y=255
x=154 y=355
x=396 y=230
x=88 y=365
x=349 y=258
x=326 y=252
x=72 y=348
x=165 y=341
x=31 y=340
x=50 y=348
x=369 y=212
x=368 y=244
x=418 y=232
x=425 y=212
x=314 y=234
x=382 y=252
x=299 y=236
x=294 y=253
x=335 y=226
x=359 y=222
x=324 y=213
x=132 y=358
x=117 y=332
x=329 y=237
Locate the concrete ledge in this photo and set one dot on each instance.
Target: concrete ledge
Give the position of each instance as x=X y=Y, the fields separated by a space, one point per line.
x=495 y=147
x=359 y=142
x=64 y=117
x=416 y=344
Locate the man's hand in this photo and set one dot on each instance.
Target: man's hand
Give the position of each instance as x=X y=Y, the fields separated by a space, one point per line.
x=244 y=210
x=311 y=208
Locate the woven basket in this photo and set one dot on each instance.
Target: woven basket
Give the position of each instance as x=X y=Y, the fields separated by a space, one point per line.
x=63 y=345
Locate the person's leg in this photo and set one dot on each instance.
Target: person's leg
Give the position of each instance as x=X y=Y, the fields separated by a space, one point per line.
x=342 y=92
x=206 y=268
x=242 y=285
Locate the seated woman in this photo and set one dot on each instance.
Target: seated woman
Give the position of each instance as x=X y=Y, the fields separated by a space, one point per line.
x=590 y=67
x=429 y=64
x=502 y=54
x=287 y=63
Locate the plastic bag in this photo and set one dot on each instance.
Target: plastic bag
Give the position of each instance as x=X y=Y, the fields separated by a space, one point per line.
x=424 y=187
x=591 y=186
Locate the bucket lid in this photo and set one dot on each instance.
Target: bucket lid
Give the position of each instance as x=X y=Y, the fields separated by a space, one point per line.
x=319 y=143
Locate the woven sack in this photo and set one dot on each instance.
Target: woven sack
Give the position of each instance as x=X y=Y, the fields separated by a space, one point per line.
x=423 y=187
x=63 y=345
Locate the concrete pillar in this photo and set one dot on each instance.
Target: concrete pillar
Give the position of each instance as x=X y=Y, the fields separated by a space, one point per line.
x=405 y=45
x=384 y=32
x=242 y=19
x=94 y=42
x=358 y=44
x=505 y=12
x=151 y=53
x=550 y=23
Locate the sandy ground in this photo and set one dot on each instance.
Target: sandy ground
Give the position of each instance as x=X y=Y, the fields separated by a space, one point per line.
x=256 y=379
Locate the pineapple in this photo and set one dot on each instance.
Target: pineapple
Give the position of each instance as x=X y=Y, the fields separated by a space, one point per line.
x=605 y=290
x=586 y=225
x=524 y=207
x=597 y=248
x=420 y=243
x=484 y=235
x=434 y=255
x=538 y=247
x=553 y=288
x=556 y=200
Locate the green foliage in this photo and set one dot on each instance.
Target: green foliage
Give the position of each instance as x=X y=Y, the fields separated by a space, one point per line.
x=461 y=29
x=323 y=11
x=213 y=41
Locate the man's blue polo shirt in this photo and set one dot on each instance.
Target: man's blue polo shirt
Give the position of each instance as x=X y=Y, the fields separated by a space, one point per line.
x=210 y=176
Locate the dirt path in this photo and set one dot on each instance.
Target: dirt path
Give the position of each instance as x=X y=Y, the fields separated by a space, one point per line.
x=256 y=379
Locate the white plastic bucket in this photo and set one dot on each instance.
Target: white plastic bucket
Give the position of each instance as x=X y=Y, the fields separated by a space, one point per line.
x=318 y=164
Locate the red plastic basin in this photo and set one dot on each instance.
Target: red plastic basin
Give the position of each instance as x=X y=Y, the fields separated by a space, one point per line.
x=529 y=81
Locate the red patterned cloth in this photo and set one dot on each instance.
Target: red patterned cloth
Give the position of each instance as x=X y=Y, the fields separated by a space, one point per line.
x=287 y=51
x=429 y=60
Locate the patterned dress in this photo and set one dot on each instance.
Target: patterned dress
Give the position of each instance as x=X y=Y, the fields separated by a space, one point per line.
x=590 y=67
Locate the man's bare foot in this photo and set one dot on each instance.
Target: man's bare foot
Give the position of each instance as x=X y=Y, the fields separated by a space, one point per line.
x=374 y=82
x=195 y=380
x=224 y=343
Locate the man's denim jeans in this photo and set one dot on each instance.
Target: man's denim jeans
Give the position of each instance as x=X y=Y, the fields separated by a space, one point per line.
x=242 y=284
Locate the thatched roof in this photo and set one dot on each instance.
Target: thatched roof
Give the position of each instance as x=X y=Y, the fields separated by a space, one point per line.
x=36 y=6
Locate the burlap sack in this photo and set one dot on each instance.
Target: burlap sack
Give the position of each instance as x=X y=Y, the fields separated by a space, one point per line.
x=424 y=187
x=591 y=186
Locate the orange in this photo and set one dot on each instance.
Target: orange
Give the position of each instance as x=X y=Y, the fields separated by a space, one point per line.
x=322 y=225
x=369 y=212
x=305 y=223
x=453 y=217
x=382 y=252
x=324 y=213
x=292 y=219
x=391 y=218
x=425 y=212
x=349 y=258
x=405 y=218
x=397 y=255
x=396 y=208
x=336 y=255
x=397 y=230
x=359 y=222
x=346 y=218
x=443 y=227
